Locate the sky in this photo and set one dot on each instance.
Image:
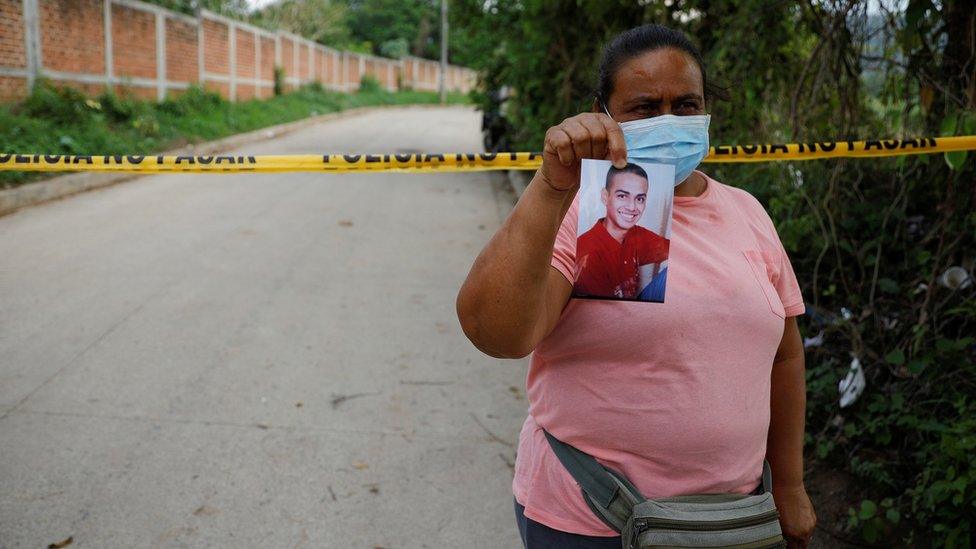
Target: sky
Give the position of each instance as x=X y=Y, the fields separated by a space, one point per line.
x=258 y=4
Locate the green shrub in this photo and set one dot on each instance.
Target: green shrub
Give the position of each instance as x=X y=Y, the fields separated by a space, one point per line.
x=125 y=109
x=60 y=104
x=314 y=87
x=369 y=84
x=194 y=100
x=279 y=80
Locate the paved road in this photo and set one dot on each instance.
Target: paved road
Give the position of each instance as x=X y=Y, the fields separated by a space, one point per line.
x=259 y=360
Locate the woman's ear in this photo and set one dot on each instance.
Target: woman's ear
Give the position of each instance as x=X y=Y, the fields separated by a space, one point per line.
x=596 y=105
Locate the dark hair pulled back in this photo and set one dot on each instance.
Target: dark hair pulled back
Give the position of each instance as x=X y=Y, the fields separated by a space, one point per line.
x=639 y=40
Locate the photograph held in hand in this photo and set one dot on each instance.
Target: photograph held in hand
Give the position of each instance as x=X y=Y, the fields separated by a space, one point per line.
x=624 y=231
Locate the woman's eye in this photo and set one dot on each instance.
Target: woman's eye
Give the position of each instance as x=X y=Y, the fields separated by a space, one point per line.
x=640 y=200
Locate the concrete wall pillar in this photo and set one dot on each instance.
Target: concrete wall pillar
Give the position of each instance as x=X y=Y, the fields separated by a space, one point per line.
x=32 y=41
x=200 y=55
x=257 y=65
x=109 y=61
x=294 y=61
x=160 y=56
x=311 y=62
x=232 y=46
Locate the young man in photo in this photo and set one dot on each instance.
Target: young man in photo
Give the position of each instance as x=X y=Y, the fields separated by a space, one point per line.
x=618 y=257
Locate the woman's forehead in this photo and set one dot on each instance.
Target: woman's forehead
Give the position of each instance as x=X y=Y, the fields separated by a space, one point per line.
x=659 y=74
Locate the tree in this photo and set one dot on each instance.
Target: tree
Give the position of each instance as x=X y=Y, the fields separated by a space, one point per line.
x=231 y=8
x=382 y=21
x=323 y=21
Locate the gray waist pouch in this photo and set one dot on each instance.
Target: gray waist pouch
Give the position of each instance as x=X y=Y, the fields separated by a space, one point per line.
x=709 y=520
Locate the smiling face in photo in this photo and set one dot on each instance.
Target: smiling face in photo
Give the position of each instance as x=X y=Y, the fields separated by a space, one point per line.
x=625 y=199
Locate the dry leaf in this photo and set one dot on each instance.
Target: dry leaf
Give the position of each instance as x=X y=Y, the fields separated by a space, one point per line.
x=205 y=511
x=61 y=544
x=359 y=465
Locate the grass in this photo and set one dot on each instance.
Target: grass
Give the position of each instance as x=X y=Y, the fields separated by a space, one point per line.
x=55 y=120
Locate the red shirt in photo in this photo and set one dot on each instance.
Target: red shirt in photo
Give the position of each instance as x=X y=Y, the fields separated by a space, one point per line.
x=607 y=268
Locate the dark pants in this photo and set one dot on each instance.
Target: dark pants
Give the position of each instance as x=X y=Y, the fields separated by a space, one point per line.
x=540 y=536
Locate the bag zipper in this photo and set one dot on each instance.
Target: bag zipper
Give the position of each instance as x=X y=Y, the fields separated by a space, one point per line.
x=640 y=525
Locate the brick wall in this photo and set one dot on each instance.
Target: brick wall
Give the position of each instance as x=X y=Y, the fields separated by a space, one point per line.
x=79 y=43
x=134 y=33
x=288 y=62
x=216 y=47
x=245 y=54
x=151 y=52
x=331 y=69
x=13 y=52
x=181 y=51
x=266 y=73
x=12 y=49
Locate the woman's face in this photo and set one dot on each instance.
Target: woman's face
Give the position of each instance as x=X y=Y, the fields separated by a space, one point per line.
x=661 y=81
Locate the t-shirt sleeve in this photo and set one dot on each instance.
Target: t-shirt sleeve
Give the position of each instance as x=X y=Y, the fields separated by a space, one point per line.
x=778 y=264
x=781 y=273
x=564 y=249
x=786 y=284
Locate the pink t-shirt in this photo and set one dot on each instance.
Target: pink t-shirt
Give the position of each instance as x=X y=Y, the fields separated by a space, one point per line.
x=674 y=395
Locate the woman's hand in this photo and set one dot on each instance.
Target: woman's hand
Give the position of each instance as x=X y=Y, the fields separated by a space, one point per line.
x=586 y=135
x=796 y=516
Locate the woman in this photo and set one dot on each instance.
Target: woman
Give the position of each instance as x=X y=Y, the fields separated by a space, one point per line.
x=682 y=397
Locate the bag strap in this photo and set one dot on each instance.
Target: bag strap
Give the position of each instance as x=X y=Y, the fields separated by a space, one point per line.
x=590 y=475
x=767 y=477
x=608 y=494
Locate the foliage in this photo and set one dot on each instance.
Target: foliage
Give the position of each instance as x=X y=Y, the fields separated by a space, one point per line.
x=230 y=8
x=868 y=239
x=323 y=21
x=61 y=120
x=279 y=80
x=395 y=48
x=369 y=84
x=380 y=21
x=391 y=28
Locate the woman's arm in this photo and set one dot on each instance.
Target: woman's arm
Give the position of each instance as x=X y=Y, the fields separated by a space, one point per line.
x=784 y=448
x=512 y=296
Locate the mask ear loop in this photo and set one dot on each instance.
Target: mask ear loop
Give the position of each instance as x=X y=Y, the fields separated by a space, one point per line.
x=604 y=105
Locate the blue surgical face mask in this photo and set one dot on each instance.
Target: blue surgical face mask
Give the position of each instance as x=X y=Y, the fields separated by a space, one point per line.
x=680 y=141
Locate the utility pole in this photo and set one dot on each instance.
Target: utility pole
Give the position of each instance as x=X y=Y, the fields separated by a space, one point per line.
x=442 y=84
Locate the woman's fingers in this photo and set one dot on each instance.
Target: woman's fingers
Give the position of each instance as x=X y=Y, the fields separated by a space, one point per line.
x=587 y=135
x=559 y=143
x=579 y=136
x=616 y=145
x=597 y=133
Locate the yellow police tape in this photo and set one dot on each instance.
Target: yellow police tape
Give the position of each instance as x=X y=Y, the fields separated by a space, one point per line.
x=424 y=162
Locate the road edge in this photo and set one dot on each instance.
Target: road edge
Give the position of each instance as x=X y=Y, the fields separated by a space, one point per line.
x=47 y=190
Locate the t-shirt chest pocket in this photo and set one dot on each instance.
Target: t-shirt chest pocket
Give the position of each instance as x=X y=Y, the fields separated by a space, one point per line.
x=765 y=265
